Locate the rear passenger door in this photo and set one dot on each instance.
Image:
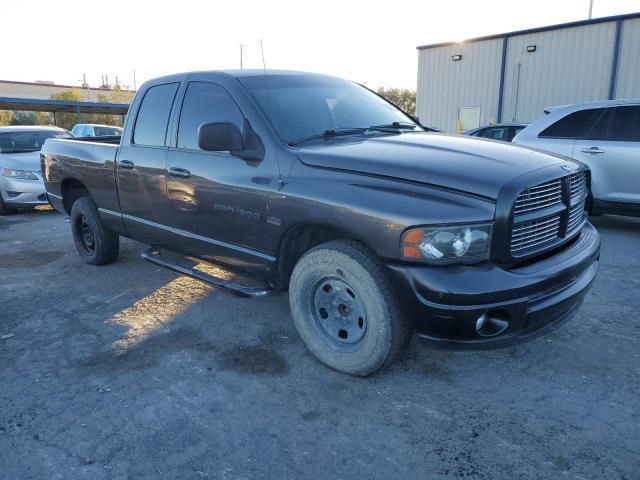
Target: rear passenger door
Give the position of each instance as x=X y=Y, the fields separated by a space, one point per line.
x=612 y=151
x=141 y=166
x=217 y=200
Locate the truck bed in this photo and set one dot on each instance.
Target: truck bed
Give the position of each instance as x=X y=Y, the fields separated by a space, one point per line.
x=82 y=162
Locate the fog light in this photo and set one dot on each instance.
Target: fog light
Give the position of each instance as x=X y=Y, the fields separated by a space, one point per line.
x=492 y=323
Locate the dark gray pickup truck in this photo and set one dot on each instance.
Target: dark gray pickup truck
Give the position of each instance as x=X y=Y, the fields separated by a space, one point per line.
x=377 y=226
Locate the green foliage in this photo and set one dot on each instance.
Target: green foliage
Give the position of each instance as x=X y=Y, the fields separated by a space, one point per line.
x=44 y=118
x=69 y=95
x=5 y=117
x=23 y=118
x=404 y=98
x=67 y=119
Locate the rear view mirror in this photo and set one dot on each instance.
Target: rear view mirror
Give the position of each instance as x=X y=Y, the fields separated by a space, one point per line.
x=220 y=137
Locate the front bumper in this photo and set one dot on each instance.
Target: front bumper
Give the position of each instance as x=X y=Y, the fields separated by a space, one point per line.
x=446 y=303
x=20 y=193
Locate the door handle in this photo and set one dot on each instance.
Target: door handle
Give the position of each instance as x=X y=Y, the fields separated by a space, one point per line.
x=592 y=150
x=179 y=172
x=128 y=164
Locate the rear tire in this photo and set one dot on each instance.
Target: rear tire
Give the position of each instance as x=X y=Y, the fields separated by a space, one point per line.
x=346 y=310
x=96 y=244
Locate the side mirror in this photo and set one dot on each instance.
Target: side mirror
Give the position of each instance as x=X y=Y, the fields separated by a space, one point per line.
x=220 y=137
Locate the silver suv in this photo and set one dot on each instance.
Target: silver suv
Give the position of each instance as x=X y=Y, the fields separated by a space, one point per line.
x=604 y=135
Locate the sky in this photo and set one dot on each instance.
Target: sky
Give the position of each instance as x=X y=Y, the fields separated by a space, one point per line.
x=372 y=42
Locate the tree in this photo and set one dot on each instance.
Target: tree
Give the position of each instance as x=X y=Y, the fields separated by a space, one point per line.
x=120 y=96
x=6 y=116
x=403 y=98
x=67 y=119
x=44 y=118
x=23 y=118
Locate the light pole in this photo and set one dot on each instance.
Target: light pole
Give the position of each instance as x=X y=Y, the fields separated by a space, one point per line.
x=590 y=9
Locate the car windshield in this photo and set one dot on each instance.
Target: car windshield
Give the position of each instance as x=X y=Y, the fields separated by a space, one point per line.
x=302 y=107
x=27 y=140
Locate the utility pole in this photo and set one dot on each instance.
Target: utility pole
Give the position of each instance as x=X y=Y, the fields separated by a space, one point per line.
x=135 y=86
x=590 y=9
x=241 y=45
x=86 y=85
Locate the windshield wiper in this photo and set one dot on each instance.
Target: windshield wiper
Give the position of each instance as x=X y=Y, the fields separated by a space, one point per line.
x=337 y=132
x=394 y=126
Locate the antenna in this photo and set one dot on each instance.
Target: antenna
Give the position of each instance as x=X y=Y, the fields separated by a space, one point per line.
x=241 y=46
x=264 y=65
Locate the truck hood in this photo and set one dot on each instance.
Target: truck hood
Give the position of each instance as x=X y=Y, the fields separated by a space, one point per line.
x=466 y=164
x=21 y=161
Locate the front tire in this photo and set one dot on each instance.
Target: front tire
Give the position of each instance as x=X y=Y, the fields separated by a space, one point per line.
x=346 y=310
x=96 y=244
x=4 y=210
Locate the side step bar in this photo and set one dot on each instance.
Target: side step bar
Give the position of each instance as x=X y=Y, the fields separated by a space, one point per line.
x=153 y=255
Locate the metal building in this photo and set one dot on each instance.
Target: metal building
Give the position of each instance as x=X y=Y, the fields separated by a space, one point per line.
x=514 y=76
x=44 y=90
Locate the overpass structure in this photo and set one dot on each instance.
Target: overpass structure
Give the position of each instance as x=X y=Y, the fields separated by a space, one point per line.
x=55 y=106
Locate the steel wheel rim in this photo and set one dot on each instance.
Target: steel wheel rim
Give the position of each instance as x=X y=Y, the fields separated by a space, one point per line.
x=339 y=314
x=85 y=234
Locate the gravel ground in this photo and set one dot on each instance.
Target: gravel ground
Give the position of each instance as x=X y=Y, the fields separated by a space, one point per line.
x=130 y=371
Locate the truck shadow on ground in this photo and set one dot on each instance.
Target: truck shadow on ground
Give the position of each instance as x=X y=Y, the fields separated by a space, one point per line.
x=244 y=359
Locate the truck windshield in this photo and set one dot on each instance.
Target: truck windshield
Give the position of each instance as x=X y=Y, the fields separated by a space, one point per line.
x=304 y=107
x=27 y=141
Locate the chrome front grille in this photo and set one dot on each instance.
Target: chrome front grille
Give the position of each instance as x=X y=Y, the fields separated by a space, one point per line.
x=528 y=236
x=578 y=183
x=541 y=196
x=576 y=216
x=542 y=214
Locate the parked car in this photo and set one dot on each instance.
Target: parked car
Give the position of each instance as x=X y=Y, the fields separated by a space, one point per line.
x=376 y=226
x=93 y=130
x=605 y=136
x=499 y=131
x=21 y=184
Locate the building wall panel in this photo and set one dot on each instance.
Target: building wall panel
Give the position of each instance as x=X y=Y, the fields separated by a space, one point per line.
x=444 y=85
x=569 y=65
x=628 y=84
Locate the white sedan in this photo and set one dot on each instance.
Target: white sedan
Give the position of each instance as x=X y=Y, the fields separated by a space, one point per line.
x=21 y=184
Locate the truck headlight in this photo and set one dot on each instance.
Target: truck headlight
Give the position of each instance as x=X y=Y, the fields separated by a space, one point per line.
x=21 y=174
x=448 y=244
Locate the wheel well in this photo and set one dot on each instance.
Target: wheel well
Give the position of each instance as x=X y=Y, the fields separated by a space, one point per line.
x=296 y=242
x=72 y=190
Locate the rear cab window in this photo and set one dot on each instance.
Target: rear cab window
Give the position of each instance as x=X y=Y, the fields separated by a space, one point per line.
x=153 y=115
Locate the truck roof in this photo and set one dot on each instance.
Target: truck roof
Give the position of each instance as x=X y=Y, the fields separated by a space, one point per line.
x=232 y=73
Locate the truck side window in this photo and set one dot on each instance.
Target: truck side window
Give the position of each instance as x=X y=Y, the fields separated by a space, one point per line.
x=153 y=115
x=205 y=103
x=574 y=125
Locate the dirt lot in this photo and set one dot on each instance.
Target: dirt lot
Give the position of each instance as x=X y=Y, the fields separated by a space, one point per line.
x=130 y=371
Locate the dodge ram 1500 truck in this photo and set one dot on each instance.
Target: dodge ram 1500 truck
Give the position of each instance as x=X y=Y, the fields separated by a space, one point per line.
x=375 y=225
